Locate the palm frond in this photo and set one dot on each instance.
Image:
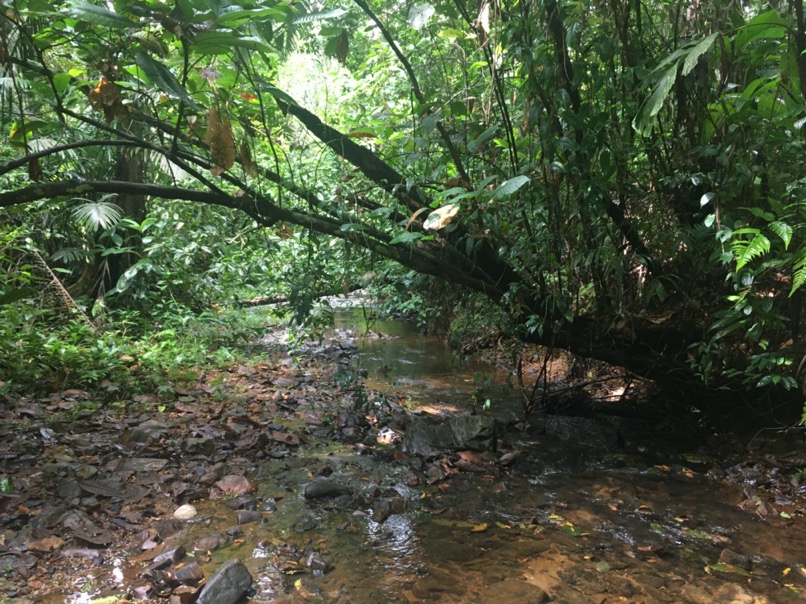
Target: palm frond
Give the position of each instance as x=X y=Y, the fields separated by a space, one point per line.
x=95 y=215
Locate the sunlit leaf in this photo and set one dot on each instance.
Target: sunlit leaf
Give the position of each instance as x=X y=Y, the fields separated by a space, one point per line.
x=510 y=186
x=420 y=15
x=235 y=16
x=334 y=13
x=706 y=198
x=95 y=215
x=783 y=230
x=441 y=217
x=745 y=251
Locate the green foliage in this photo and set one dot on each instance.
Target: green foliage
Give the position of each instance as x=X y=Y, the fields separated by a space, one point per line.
x=616 y=168
x=135 y=357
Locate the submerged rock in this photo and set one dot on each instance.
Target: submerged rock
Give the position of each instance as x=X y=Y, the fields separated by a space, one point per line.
x=325 y=488
x=424 y=437
x=228 y=585
x=514 y=591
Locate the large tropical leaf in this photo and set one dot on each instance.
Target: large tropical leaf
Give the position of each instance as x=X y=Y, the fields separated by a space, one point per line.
x=98 y=15
x=163 y=78
x=222 y=42
x=334 y=13
x=643 y=121
x=510 y=186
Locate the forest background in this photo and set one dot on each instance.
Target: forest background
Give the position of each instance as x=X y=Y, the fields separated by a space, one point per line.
x=623 y=179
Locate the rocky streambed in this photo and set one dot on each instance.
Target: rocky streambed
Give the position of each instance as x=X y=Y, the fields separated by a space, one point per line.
x=288 y=480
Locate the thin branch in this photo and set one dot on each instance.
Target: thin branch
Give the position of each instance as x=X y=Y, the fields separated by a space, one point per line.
x=415 y=87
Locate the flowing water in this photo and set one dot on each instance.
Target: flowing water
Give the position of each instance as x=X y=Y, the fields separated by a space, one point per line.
x=589 y=512
x=577 y=518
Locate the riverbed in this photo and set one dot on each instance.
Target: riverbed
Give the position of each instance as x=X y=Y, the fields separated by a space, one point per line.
x=563 y=509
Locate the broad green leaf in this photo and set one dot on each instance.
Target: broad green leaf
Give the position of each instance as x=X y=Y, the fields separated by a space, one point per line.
x=21 y=131
x=324 y=15
x=441 y=217
x=510 y=186
x=429 y=123
x=98 y=15
x=722 y=567
x=236 y=16
x=61 y=81
x=278 y=94
x=163 y=78
x=643 y=121
x=407 y=237
x=693 y=55
x=473 y=145
x=222 y=42
x=12 y=295
x=765 y=25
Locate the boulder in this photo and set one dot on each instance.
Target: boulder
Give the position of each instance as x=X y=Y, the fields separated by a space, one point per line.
x=229 y=585
x=425 y=437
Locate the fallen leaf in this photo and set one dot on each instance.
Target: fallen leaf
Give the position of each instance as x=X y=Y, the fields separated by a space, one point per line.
x=46 y=544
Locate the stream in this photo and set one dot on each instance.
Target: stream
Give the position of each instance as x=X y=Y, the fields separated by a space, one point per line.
x=568 y=509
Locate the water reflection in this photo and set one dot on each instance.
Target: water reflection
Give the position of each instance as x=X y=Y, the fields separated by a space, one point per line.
x=400 y=360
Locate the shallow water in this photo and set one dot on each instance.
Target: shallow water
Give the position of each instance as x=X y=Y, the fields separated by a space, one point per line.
x=583 y=515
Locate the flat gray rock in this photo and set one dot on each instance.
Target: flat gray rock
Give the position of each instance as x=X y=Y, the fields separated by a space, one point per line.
x=229 y=585
x=424 y=436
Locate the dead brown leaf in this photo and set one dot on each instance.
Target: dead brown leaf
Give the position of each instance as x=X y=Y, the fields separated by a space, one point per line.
x=221 y=141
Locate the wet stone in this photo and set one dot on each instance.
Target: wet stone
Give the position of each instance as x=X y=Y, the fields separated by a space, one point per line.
x=424 y=437
x=317 y=565
x=728 y=556
x=383 y=508
x=248 y=516
x=228 y=585
x=325 y=488
x=514 y=591
x=210 y=542
x=242 y=502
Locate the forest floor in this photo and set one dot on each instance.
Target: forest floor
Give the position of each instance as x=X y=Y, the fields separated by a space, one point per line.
x=145 y=499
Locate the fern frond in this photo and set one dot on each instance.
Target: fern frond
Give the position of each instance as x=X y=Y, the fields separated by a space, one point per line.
x=70 y=255
x=783 y=230
x=798 y=270
x=745 y=251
